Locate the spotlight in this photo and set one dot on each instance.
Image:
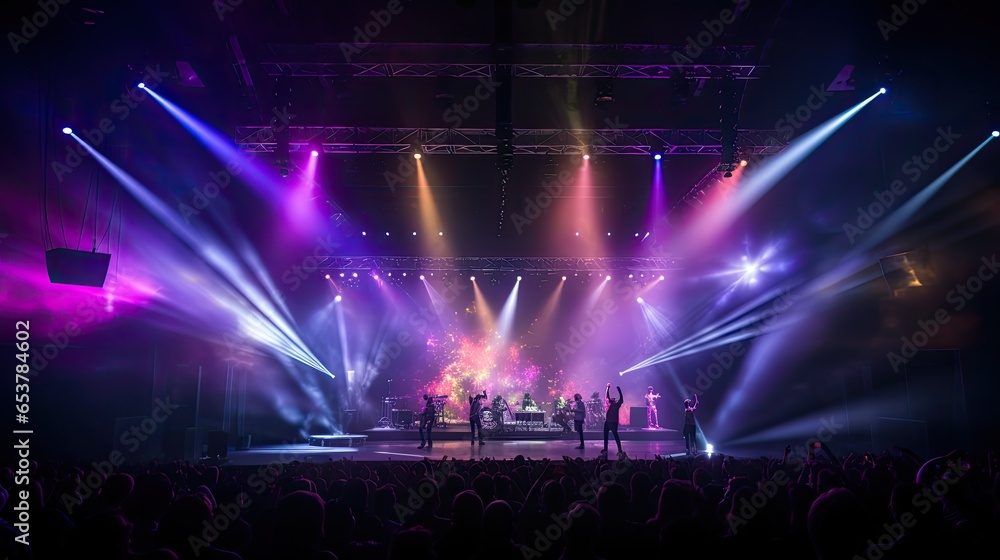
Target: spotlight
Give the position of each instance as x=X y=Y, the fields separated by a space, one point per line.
x=327 y=277
x=564 y=278
x=639 y=300
x=404 y=274
x=142 y=85
x=354 y=275
x=387 y=234
x=661 y=277
x=657 y=157
x=375 y=276
x=743 y=163
x=337 y=298
x=414 y=234
x=389 y=274
x=586 y=156
x=472 y=278
x=364 y=233
x=440 y=233
x=609 y=234
x=630 y=276
x=417 y=156
x=881 y=90
x=341 y=274
x=518 y=278
x=709 y=447
x=68 y=130
x=578 y=234
x=995 y=133
x=314 y=153
x=637 y=235
x=421 y=276
x=608 y=277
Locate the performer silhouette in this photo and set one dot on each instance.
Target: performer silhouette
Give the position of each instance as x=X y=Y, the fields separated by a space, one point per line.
x=651 y=420
x=475 y=407
x=612 y=406
x=427 y=422
x=579 y=415
x=690 y=425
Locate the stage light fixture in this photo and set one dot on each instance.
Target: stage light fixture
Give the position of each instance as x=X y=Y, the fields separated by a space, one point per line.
x=639 y=300
x=586 y=156
x=314 y=153
x=472 y=278
x=881 y=90
x=637 y=234
x=337 y=298
x=608 y=277
x=142 y=85
x=995 y=133
x=630 y=276
x=657 y=157
x=440 y=233
x=417 y=155
x=609 y=234
x=421 y=276
x=341 y=274
x=67 y=130
x=564 y=278
x=327 y=276
x=518 y=278
x=578 y=234
x=743 y=163
x=605 y=93
x=364 y=233
x=389 y=274
x=404 y=275
x=375 y=276
x=414 y=234
x=661 y=277
x=354 y=274
x=387 y=234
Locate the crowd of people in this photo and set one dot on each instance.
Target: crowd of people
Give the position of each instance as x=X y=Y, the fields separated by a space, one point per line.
x=883 y=506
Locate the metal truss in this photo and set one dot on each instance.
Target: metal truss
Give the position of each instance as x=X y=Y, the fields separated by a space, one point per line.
x=357 y=140
x=427 y=60
x=499 y=264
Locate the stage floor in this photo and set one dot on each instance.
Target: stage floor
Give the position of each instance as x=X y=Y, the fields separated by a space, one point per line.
x=406 y=450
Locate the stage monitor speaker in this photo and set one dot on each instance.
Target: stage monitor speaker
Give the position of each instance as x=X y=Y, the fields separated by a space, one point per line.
x=218 y=443
x=80 y=268
x=402 y=417
x=637 y=417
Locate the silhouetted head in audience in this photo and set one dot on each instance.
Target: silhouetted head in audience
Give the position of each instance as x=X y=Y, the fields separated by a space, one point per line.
x=356 y=495
x=483 y=485
x=185 y=519
x=115 y=490
x=612 y=502
x=553 y=497
x=299 y=522
x=498 y=523
x=584 y=531
x=676 y=501
x=837 y=525
x=409 y=544
x=467 y=511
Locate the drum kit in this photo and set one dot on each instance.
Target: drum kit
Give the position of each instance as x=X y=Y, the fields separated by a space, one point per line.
x=394 y=416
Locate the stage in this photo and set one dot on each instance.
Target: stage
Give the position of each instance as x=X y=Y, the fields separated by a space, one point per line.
x=406 y=450
x=453 y=440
